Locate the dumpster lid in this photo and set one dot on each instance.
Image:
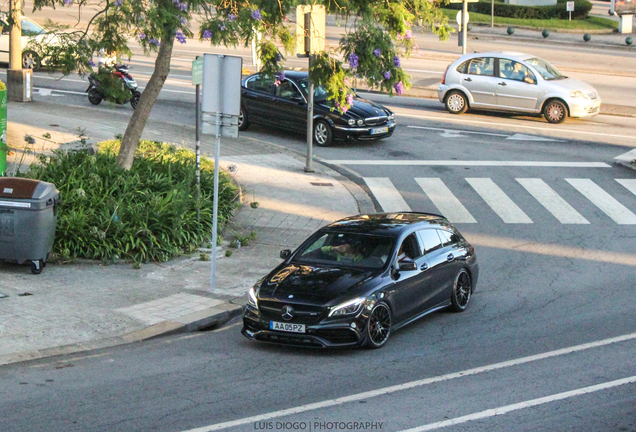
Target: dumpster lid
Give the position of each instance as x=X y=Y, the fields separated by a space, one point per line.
x=21 y=188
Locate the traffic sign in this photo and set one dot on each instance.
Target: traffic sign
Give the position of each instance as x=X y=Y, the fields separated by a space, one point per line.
x=197 y=71
x=459 y=18
x=570 y=6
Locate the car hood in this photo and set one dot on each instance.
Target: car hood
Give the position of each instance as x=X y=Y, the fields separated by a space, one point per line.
x=312 y=284
x=571 y=84
x=361 y=109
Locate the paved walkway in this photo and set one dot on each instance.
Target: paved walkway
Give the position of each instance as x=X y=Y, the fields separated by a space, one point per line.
x=87 y=305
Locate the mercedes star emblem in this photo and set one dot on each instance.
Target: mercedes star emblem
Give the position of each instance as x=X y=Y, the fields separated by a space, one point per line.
x=287 y=313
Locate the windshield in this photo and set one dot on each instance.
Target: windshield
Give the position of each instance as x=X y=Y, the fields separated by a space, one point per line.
x=30 y=29
x=320 y=94
x=350 y=249
x=545 y=69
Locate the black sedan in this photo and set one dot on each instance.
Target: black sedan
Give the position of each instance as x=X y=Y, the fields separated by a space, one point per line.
x=283 y=104
x=357 y=280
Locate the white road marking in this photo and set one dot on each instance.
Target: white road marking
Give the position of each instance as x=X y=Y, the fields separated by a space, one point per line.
x=454 y=133
x=445 y=201
x=521 y=405
x=424 y=71
x=604 y=201
x=516 y=126
x=47 y=91
x=387 y=195
x=413 y=384
x=564 y=212
x=471 y=163
x=627 y=157
x=629 y=184
x=497 y=199
x=458 y=131
x=523 y=137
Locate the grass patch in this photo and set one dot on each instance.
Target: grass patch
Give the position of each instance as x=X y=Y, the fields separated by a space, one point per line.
x=590 y=23
x=146 y=213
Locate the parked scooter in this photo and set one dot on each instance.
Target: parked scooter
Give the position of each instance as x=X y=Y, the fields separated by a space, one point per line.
x=96 y=92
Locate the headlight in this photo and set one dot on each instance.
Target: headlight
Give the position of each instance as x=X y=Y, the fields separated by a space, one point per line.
x=351 y=122
x=360 y=122
x=251 y=298
x=391 y=117
x=577 y=94
x=347 y=308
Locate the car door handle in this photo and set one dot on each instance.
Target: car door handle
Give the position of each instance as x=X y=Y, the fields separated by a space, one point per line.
x=424 y=267
x=468 y=79
x=450 y=257
x=503 y=84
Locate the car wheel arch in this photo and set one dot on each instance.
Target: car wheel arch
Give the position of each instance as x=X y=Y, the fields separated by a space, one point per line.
x=552 y=98
x=461 y=89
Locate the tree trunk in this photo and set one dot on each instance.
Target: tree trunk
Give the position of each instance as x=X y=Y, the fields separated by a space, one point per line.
x=137 y=123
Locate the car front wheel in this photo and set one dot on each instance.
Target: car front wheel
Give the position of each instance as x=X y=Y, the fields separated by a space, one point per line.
x=462 y=290
x=30 y=60
x=379 y=326
x=555 y=111
x=456 y=102
x=323 y=136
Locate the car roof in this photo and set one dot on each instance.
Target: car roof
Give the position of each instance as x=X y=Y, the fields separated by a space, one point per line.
x=391 y=224
x=505 y=54
x=293 y=74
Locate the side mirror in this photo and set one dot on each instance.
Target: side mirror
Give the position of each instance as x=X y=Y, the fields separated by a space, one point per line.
x=407 y=266
x=285 y=253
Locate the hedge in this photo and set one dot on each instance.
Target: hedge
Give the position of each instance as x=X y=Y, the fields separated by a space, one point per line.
x=558 y=11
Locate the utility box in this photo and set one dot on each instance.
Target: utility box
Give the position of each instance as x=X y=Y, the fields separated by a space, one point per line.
x=28 y=215
x=20 y=85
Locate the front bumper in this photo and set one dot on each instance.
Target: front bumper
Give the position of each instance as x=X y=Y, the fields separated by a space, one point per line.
x=580 y=107
x=341 y=333
x=363 y=133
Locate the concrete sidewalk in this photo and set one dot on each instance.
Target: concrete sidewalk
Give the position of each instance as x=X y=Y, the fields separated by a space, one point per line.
x=87 y=305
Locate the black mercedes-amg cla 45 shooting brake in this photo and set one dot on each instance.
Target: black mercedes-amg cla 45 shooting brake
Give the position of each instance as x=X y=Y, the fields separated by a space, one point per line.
x=359 y=279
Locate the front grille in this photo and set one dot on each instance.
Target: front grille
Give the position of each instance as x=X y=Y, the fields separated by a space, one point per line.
x=337 y=336
x=289 y=340
x=254 y=326
x=376 y=121
x=592 y=110
x=303 y=314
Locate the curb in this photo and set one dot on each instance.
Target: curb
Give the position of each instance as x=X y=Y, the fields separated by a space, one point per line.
x=552 y=42
x=199 y=321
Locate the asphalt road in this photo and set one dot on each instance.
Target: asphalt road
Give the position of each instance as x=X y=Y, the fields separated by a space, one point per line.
x=547 y=344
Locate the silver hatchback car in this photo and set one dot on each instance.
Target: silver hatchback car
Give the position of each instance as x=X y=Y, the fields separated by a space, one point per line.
x=507 y=81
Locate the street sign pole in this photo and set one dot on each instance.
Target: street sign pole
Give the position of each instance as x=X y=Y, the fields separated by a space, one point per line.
x=217 y=150
x=464 y=25
x=310 y=101
x=198 y=147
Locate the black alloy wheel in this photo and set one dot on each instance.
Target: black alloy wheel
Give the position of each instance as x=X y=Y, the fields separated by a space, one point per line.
x=94 y=97
x=30 y=60
x=243 y=123
x=323 y=136
x=379 y=326
x=555 y=111
x=135 y=99
x=456 y=102
x=462 y=290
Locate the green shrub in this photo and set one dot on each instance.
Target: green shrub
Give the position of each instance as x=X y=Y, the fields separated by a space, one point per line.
x=558 y=11
x=146 y=213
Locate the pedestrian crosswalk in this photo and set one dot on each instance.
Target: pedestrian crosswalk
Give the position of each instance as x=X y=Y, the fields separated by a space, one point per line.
x=500 y=202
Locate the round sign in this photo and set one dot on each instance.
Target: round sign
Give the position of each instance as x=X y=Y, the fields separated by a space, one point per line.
x=459 y=17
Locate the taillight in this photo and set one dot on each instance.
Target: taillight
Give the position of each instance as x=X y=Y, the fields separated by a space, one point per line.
x=444 y=76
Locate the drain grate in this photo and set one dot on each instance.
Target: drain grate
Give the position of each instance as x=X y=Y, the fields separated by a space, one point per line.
x=321 y=184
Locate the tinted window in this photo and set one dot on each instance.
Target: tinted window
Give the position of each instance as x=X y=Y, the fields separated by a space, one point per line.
x=482 y=66
x=513 y=70
x=410 y=248
x=320 y=94
x=260 y=84
x=448 y=237
x=430 y=239
x=462 y=68
x=286 y=90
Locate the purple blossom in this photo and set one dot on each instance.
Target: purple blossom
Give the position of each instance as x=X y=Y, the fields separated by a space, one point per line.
x=408 y=35
x=118 y=3
x=278 y=57
x=184 y=21
x=257 y=15
x=350 y=99
x=91 y=63
x=396 y=61
x=142 y=36
x=387 y=75
x=232 y=17
x=207 y=34
x=180 y=37
x=377 y=52
x=183 y=6
x=353 y=60
x=399 y=88
x=221 y=26
x=67 y=2
x=153 y=41
x=280 y=75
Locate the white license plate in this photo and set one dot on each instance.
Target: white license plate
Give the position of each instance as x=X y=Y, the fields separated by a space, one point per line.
x=379 y=130
x=287 y=327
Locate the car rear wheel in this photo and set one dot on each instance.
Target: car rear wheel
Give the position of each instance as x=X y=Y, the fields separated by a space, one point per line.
x=456 y=102
x=323 y=136
x=30 y=60
x=378 y=327
x=462 y=290
x=94 y=97
x=135 y=99
x=243 y=123
x=555 y=111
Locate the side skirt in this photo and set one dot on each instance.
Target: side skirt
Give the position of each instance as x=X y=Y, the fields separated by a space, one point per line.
x=429 y=311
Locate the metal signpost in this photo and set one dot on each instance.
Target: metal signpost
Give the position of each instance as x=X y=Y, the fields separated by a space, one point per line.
x=462 y=20
x=570 y=9
x=220 y=105
x=310 y=40
x=197 y=80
